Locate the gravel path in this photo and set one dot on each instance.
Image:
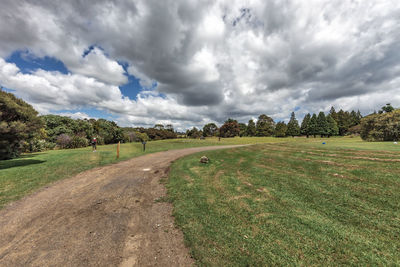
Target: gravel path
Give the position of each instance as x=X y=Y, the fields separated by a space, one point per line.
x=107 y=216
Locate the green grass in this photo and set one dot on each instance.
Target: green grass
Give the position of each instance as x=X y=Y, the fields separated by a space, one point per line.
x=294 y=203
x=19 y=177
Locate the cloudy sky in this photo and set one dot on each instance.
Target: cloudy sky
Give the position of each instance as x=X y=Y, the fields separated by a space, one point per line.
x=141 y=62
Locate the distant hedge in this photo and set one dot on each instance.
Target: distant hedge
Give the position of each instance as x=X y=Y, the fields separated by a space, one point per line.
x=381 y=127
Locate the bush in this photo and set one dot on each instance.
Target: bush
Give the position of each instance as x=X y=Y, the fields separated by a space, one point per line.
x=19 y=124
x=78 y=141
x=63 y=141
x=381 y=127
x=35 y=145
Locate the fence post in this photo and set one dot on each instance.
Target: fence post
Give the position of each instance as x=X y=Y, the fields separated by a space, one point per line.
x=119 y=143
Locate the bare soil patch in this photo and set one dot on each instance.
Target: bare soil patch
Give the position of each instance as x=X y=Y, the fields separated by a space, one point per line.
x=107 y=216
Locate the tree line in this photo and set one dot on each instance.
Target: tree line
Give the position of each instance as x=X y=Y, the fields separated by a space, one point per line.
x=332 y=124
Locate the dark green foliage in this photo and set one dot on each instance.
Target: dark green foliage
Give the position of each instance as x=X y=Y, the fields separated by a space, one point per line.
x=194 y=133
x=293 y=128
x=265 y=126
x=281 y=129
x=313 y=125
x=322 y=124
x=230 y=128
x=243 y=129
x=332 y=126
x=106 y=132
x=78 y=141
x=19 y=124
x=381 y=127
x=251 y=128
x=56 y=125
x=305 y=125
x=355 y=118
x=333 y=114
x=109 y=130
x=388 y=108
x=158 y=132
x=344 y=121
x=210 y=129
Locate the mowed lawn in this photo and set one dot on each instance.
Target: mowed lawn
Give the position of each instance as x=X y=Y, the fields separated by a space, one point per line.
x=19 y=177
x=294 y=203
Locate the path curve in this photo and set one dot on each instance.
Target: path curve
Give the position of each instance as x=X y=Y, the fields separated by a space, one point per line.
x=106 y=216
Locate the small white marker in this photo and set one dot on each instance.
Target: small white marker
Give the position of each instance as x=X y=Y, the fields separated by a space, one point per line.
x=146 y=170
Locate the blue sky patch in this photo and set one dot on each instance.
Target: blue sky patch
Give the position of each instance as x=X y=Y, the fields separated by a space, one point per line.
x=27 y=62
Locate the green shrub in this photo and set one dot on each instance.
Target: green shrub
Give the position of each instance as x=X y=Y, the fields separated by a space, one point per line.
x=78 y=141
x=381 y=127
x=19 y=124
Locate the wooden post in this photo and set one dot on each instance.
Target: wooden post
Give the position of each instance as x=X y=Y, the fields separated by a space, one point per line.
x=119 y=143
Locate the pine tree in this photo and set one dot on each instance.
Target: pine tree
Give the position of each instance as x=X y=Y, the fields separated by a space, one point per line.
x=243 y=129
x=251 y=128
x=293 y=128
x=332 y=126
x=281 y=129
x=359 y=116
x=343 y=121
x=313 y=125
x=322 y=124
x=305 y=130
x=354 y=118
x=333 y=114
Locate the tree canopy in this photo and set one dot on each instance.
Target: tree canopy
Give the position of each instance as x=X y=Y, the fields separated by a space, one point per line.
x=265 y=126
x=230 y=128
x=293 y=128
x=19 y=123
x=381 y=127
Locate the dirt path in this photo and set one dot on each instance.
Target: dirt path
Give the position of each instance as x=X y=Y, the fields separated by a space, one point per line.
x=103 y=217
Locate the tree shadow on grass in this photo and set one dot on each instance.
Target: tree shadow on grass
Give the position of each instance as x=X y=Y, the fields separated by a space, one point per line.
x=30 y=155
x=11 y=163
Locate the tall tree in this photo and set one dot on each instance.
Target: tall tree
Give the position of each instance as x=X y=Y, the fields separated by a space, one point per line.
x=169 y=128
x=281 y=129
x=230 y=128
x=210 y=129
x=243 y=129
x=19 y=123
x=313 y=125
x=354 y=118
x=305 y=125
x=322 y=124
x=265 y=126
x=194 y=133
x=251 y=128
x=293 y=128
x=332 y=126
x=333 y=114
x=343 y=121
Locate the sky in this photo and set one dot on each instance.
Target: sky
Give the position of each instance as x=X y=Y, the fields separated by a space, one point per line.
x=188 y=63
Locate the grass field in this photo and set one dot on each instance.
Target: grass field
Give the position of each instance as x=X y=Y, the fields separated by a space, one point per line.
x=19 y=177
x=293 y=203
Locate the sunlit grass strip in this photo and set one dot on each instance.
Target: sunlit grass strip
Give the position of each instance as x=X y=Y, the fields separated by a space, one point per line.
x=289 y=204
